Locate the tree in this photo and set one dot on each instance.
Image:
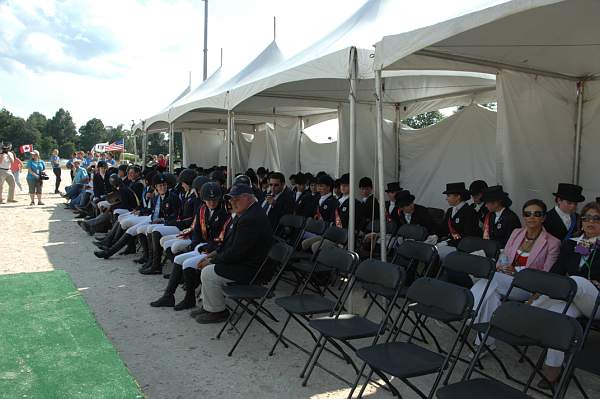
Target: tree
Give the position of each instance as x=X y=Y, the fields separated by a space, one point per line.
x=157 y=144
x=38 y=121
x=424 y=120
x=115 y=133
x=46 y=145
x=62 y=128
x=92 y=133
x=66 y=149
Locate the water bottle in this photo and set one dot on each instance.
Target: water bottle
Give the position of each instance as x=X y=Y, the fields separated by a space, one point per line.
x=503 y=259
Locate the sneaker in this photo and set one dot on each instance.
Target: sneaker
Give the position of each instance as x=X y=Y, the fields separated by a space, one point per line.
x=31 y=203
x=213 y=317
x=484 y=352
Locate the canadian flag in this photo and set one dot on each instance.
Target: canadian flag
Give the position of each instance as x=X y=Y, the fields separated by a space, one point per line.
x=26 y=148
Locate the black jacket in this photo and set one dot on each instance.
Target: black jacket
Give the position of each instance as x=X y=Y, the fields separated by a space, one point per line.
x=555 y=226
x=419 y=217
x=128 y=199
x=344 y=212
x=480 y=215
x=369 y=210
x=500 y=230
x=186 y=212
x=213 y=233
x=306 y=204
x=568 y=262
x=138 y=187
x=101 y=185
x=464 y=223
x=284 y=205
x=328 y=209
x=390 y=215
x=247 y=243
x=169 y=207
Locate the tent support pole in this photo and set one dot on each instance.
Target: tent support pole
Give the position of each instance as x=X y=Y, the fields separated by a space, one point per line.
x=144 y=144
x=301 y=131
x=380 y=186
x=229 y=148
x=171 y=148
x=338 y=148
x=578 y=131
x=351 y=171
x=397 y=137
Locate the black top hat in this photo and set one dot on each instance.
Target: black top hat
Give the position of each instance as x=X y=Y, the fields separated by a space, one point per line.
x=344 y=179
x=365 y=182
x=496 y=193
x=569 y=192
x=456 y=188
x=404 y=198
x=477 y=187
x=393 y=187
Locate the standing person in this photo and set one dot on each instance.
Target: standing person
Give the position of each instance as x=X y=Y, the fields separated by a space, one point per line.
x=563 y=221
x=15 y=168
x=162 y=163
x=35 y=168
x=110 y=160
x=56 y=169
x=6 y=159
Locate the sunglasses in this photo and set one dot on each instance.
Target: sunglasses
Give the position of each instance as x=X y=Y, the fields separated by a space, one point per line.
x=590 y=218
x=537 y=214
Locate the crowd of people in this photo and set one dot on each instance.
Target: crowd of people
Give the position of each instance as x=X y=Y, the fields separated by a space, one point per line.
x=214 y=235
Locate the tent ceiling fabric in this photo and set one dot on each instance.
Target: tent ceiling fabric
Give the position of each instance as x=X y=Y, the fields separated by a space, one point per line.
x=559 y=37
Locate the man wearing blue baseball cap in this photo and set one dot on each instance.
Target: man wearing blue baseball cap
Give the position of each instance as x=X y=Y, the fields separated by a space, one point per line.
x=245 y=246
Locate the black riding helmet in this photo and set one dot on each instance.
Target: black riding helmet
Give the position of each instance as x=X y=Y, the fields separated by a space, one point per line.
x=211 y=191
x=242 y=179
x=198 y=182
x=187 y=176
x=218 y=176
x=171 y=179
x=115 y=181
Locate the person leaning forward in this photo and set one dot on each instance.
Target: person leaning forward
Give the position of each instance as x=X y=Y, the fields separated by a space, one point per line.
x=245 y=246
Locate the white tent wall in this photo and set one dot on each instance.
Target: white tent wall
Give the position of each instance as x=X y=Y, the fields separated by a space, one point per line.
x=536 y=134
x=258 y=151
x=366 y=144
x=241 y=152
x=202 y=147
x=590 y=141
x=458 y=148
x=315 y=157
x=283 y=144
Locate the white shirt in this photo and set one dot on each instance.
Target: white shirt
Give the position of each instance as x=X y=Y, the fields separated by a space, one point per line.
x=298 y=194
x=5 y=162
x=391 y=207
x=457 y=208
x=408 y=217
x=323 y=198
x=264 y=204
x=498 y=215
x=343 y=199
x=565 y=217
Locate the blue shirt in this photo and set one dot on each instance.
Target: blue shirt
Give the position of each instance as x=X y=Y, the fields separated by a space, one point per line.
x=36 y=167
x=111 y=162
x=55 y=159
x=80 y=175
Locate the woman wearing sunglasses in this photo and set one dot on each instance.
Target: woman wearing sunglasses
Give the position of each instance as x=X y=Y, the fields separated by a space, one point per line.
x=527 y=247
x=580 y=259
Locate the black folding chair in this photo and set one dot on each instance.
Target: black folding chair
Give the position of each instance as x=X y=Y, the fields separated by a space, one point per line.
x=250 y=298
x=312 y=226
x=290 y=230
x=533 y=281
x=540 y=328
x=345 y=328
x=587 y=358
x=426 y=298
x=373 y=227
x=473 y=244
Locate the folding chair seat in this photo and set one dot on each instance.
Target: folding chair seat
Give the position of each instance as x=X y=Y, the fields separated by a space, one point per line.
x=412 y=232
x=426 y=298
x=250 y=298
x=290 y=229
x=547 y=329
x=344 y=328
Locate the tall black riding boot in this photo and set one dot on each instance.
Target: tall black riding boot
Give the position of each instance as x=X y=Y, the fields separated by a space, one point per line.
x=148 y=263
x=124 y=240
x=113 y=235
x=169 y=256
x=144 y=245
x=168 y=298
x=157 y=251
x=191 y=280
x=130 y=248
x=96 y=224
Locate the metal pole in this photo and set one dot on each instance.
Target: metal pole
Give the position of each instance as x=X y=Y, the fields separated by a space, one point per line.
x=171 y=148
x=144 y=144
x=381 y=192
x=397 y=136
x=352 y=138
x=204 y=74
x=578 y=131
x=338 y=144
x=229 y=148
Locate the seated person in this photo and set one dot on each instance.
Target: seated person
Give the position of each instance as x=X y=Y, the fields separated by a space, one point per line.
x=279 y=200
x=246 y=244
x=304 y=203
x=459 y=221
x=80 y=177
x=369 y=205
x=529 y=247
x=563 y=221
x=390 y=204
x=579 y=258
x=476 y=190
x=407 y=212
x=344 y=205
x=327 y=209
x=209 y=228
x=500 y=220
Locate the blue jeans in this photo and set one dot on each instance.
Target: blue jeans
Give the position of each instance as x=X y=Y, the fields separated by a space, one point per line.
x=73 y=190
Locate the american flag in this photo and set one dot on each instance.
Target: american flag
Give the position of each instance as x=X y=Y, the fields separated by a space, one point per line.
x=118 y=146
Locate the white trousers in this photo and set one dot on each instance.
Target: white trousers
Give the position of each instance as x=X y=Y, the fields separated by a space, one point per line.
x=177 y=245
x=583 y=305
x=493 y=298
x=190 y=259
x=138 y=228
x=164 y=230
x=118 y=211
x=7 y=176
x=128 y=221
x=213 y=299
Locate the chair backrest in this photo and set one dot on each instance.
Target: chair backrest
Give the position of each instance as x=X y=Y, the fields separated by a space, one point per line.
x=412 y=232
x=376 y=272
x=390 y=227
x=338 y=259
x=553 y=285
x=435 y=295
x=280 y=252
x=336 y=235
x=476 y=266
x=546 y=328
x=292 y=221
x=290 y=229
x=277 y=258
x=437 y=215
x=472 y=244
x=417 y=250
x=315 y=226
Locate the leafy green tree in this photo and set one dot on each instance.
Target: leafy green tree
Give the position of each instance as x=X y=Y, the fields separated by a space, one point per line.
x=115 y=133
x=157 y=144
x=424 y=120
x=62 y=128
x=46 y=145
x=92 y=133
x=38 y=121
x=66 y=149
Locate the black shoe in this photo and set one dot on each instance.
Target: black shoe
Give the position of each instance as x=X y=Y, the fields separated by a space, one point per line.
x=89 y=217
x=151 y=270
x=544 y=384
x=165 y=301
x=166 y=276
x=128 y=251
x=80 y=215
x=100 y=245
x=141 y=260
x=185 y=304
x=213 y=317
x=197 y=312
x=101 y=254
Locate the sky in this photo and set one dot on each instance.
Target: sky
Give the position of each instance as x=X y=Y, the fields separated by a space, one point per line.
x=124 y=60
